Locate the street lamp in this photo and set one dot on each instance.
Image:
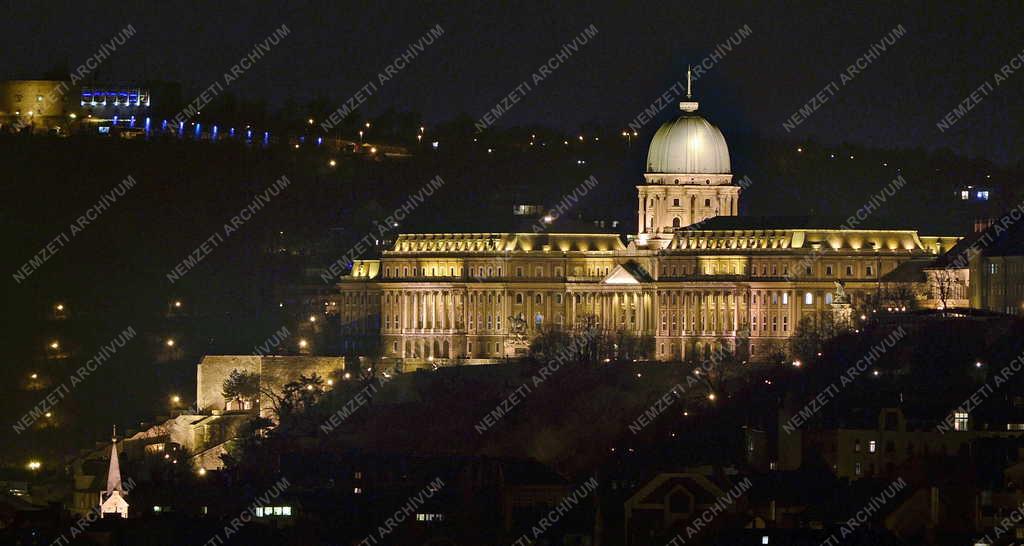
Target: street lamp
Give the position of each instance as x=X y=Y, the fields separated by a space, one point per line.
x=169 y=343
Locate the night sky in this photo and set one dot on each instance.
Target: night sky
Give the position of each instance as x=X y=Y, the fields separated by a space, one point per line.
x=794 y=51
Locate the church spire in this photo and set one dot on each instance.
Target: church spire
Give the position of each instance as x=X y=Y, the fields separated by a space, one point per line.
x=114 y=472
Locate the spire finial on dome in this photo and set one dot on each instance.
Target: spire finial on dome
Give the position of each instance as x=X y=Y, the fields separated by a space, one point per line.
x=689 y=105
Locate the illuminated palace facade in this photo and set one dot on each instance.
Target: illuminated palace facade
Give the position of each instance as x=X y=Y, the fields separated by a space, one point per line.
x=696 y=276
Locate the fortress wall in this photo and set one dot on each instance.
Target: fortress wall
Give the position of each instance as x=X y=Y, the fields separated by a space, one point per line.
x=211 y=373
x=274 y=372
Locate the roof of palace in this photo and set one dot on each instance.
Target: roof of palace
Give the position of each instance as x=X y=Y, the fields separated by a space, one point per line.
x=793 y=223
x=525 y=241
x=510 y=224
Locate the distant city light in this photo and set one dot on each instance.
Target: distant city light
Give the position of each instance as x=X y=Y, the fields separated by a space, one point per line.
x=175 y=399
x=711 y=397
x=177 y=304
x=202 y=471
x=797 y=363
x=34 y=376
x=170 y=342
x=303 y=343
x=55 y=345
x=34 y=465
x=332 y=163
x=330 y=382
x=310 y=121
x=977 y=364
x=312 y=318
x=347 y=375
x=373 y=149
x=800 y=150
x=60 y=306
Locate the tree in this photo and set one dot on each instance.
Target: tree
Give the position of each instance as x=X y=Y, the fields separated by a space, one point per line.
x=241 y=386
x=812 y=333
x=944 y=285
x=295 y=397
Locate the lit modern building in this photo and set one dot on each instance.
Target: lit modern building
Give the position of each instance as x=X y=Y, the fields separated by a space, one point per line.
x=695 y=277
x=58 y=105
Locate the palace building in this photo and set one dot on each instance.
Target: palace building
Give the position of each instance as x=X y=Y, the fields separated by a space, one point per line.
x=696 y=276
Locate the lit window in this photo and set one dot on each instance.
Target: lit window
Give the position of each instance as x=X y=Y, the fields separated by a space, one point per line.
x=808 y=298
x=785 y=298
x=357 y=490
x=856 y=446
x=872 y=446
x=828 y=298
x=869 y=270
x=856 y=469
x=960 y=420
x=965 y=195
x=983 y=195
x=828 y=270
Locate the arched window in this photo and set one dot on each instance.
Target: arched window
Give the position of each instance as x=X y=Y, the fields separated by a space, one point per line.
x=519 y=299
x=808 y=298
x=675 y=222
x=538 y=299
x=707 y=202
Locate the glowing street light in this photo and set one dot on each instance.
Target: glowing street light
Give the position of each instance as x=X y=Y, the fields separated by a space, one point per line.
x=347 y=375
x=797 y=363
x=34 y=465
x=60 y=306
x=312 y=318
x=711 y=397
x=202 y=471
x=310 y=121
x=303 y=344
x=977 y=364
x=175 y=399
x=332 y=163
x=55 y=345
x=34 y=376
x=177 y=304
x=169 y=343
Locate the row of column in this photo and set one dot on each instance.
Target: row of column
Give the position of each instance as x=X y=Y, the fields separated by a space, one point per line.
x=696 y=309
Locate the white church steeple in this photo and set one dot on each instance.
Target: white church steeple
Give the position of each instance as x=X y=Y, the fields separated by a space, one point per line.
x=112 y=499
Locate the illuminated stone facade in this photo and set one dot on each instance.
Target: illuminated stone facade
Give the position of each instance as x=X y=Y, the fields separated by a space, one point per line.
x=695 y=276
